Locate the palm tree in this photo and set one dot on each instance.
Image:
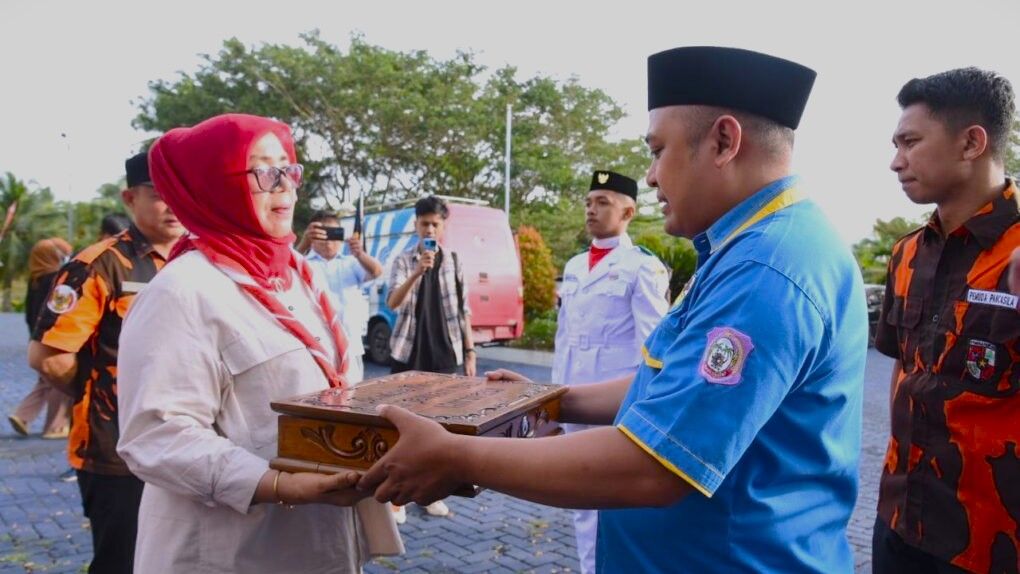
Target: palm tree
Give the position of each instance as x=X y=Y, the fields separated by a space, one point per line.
x=33 y=218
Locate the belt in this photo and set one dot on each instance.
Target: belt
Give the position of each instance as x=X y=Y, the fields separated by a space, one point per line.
x=584 y=341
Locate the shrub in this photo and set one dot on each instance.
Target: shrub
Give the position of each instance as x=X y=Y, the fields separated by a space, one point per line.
x=539 y=275
x=539 y=332
x=678 y=255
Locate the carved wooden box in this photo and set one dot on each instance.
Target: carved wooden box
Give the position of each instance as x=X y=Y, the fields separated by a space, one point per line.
x=338 y=429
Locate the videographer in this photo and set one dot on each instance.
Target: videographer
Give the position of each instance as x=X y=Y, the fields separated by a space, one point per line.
x=427 y=291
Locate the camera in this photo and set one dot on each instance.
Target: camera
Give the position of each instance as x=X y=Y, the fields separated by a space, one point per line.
x=428 y=244
x=334 y=233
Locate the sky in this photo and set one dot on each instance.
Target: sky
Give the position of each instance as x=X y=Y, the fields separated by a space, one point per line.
x=74 y=72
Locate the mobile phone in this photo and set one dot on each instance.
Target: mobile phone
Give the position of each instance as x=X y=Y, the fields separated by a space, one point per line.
x=428 y=244
x=334 y=233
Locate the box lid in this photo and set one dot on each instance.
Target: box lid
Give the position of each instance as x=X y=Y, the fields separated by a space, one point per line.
x=464 y=405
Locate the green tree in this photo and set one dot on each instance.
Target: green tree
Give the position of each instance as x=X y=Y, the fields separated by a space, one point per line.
x=676 y=253
x=560 y=136
x=89 y=214
x=34 y=218
x=873 y=253
x=395 y=125
x=561 y=226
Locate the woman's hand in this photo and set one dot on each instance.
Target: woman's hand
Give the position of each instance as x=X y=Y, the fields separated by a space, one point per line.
x=308 y=488
x=313 y=488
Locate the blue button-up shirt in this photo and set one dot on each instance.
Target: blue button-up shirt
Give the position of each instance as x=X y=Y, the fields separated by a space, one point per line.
x=346 y=277
x=751 y=392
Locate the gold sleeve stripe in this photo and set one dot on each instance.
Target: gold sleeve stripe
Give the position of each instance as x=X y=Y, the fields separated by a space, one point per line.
x=672 y=467
x=653 y=363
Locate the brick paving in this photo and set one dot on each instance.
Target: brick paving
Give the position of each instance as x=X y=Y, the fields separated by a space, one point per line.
x=42 y=528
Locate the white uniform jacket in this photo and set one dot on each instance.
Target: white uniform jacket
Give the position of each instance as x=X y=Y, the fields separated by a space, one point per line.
x=606 y=314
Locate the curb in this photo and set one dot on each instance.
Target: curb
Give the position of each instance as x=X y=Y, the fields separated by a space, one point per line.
x=510 y=355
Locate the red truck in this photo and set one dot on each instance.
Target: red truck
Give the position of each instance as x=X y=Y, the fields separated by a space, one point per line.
x=487 y=251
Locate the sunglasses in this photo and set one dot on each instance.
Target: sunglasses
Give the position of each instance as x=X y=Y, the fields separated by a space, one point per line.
x=269 y=177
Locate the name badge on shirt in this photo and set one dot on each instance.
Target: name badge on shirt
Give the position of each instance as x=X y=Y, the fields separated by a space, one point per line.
x=132 y=286
x=993 y=298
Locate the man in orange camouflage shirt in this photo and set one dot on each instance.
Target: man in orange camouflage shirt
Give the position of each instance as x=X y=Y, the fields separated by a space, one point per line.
x=950 y=493
x=74 y=347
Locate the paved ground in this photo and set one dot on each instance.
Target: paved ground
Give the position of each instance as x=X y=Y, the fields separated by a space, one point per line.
x=43 y=529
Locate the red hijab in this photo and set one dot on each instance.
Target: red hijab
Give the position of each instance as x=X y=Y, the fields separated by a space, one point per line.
x=201 y=174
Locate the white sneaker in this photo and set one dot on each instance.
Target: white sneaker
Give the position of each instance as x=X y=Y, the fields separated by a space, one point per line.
x=437 y=508
x=399 y=514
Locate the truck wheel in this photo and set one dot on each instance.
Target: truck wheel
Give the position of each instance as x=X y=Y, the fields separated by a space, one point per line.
x=379 y=343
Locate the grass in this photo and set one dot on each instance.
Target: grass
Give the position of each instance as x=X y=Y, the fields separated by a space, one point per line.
x=14 y=558
x=387 y=563
x=18 y=287
x=536 y=527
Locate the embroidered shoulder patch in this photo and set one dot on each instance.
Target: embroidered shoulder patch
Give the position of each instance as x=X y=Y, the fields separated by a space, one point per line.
x=981 y=360
x=62 y=299
x=725 y=356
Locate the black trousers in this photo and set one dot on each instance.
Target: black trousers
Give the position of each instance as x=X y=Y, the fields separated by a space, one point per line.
x=891 y=555
x=111 y=504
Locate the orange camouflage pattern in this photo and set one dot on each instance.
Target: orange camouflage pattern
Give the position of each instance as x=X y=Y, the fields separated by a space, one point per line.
x=951 y=480
x=88 y=324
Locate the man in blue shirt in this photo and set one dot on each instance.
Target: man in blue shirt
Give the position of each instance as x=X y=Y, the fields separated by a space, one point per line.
x=735 y=446
x=346 y=275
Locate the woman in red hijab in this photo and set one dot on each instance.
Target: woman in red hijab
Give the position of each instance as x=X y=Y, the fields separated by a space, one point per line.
x=235 y=320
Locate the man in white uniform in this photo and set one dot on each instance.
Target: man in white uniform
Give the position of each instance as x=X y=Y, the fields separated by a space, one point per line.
x=346 y=275
x=611 y=298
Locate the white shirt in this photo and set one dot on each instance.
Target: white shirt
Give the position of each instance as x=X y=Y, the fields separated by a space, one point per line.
x=199 y=363
x=346 y=277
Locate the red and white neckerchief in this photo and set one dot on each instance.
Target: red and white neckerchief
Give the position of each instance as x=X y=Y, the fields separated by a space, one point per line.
x=600 y=248
x=337 y=377
x=596 y=254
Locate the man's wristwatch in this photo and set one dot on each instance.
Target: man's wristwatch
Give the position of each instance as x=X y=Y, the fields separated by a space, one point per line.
x=471 y=350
